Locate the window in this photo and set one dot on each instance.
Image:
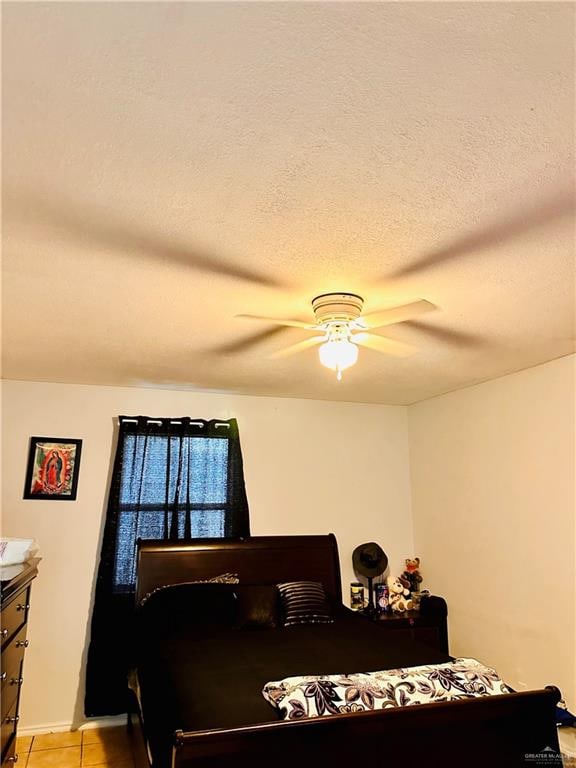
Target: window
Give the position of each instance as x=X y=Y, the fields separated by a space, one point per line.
x=170 y=487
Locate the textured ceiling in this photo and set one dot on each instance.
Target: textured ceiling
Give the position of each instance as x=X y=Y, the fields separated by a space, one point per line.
x=170 y=165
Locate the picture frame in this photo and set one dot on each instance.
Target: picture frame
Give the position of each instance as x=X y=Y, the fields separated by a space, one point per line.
x=53 y=468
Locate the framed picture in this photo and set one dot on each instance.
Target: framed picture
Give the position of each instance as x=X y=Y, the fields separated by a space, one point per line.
x=53 y=464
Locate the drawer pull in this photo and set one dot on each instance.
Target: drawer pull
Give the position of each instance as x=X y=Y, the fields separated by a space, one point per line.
x=13 y=759
x=16 y=680
x=12 y=719
x=22 y=643
x=23 y=607
x=4 y=633
x=3 y=676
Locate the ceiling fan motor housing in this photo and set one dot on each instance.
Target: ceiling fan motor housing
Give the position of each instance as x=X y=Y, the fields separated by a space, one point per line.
x=337 y=308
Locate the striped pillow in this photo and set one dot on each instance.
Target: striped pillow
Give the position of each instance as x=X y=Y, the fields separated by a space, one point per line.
x=304 y=602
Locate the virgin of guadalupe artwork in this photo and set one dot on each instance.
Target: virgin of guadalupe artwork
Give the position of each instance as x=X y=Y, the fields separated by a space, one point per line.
x=53 y=465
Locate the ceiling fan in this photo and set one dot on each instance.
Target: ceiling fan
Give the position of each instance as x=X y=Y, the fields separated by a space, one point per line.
x=342 y=329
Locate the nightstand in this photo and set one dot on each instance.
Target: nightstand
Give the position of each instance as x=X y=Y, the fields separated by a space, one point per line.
x=427 y=626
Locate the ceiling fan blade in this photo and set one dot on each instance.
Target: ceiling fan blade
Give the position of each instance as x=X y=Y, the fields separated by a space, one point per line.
x=558 y=206
x=381 y=344
x=399 y=314
x=280 y=321
x=241 y=345
x=447 y=335
x=105 y=229
x=299 y=347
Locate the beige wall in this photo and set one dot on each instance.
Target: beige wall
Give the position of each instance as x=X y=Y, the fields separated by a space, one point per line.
x=492 y=471
x=310 y=466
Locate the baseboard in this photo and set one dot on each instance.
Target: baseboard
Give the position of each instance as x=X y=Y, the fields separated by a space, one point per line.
x=62 y=727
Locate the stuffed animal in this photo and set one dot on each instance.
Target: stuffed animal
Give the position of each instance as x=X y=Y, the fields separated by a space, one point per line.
x=412 y=574
x=399 y=595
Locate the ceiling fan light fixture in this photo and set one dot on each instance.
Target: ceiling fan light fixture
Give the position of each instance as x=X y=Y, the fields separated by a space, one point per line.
x=341 y=329
x=338 y=355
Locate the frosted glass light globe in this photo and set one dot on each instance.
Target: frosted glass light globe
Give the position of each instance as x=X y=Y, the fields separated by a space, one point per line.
x=338 y=355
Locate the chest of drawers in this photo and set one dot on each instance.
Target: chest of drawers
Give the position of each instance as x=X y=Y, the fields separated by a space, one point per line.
x=15 y=584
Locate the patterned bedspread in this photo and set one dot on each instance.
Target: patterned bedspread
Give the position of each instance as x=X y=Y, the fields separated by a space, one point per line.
x=316 y=696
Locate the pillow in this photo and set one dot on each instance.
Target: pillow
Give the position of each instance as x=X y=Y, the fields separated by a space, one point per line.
x=304 y=602
x=222 y=578
x=257 y=606
x=206 y=604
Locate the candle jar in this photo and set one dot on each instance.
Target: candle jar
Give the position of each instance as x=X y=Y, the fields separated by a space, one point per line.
x=356 y=596
x=382 y=598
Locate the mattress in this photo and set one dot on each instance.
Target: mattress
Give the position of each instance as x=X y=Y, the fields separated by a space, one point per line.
x=203 y=678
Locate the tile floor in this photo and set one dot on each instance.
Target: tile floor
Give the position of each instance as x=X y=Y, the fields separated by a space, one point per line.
x=96 y=748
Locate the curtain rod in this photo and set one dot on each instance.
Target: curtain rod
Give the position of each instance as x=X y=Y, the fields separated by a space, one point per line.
x=217 y=424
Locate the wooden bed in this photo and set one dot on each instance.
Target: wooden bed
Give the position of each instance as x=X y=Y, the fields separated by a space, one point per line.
x=488 y=731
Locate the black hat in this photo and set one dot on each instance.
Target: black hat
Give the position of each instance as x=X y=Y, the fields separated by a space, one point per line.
x=369 y=559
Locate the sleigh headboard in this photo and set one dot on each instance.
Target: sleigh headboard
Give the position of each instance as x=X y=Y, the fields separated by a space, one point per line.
x=256 y=560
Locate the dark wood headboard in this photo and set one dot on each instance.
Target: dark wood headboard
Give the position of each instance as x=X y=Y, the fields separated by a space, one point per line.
x=256 y=560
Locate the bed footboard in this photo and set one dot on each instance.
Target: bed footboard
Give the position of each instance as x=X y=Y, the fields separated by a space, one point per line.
x=507 y=730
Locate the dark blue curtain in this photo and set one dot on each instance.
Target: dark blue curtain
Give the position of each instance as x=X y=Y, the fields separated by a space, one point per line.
x=172 y=479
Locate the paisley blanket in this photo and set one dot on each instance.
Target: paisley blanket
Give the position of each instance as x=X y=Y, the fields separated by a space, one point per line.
x=315 y=696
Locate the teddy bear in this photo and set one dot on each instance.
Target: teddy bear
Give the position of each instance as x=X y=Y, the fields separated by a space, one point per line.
x=412 y=574
x=399 y=594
